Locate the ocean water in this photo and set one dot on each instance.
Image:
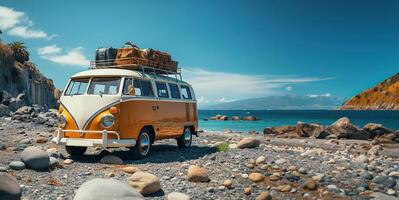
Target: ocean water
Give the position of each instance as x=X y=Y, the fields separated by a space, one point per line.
x=389 y=119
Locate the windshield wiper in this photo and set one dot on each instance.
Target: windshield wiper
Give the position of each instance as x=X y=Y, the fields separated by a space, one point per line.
x=101 y=93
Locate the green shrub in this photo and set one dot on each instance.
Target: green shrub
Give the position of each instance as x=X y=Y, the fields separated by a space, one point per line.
x=223 y=147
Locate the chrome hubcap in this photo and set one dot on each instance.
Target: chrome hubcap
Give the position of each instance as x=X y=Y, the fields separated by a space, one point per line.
x=187 y=137
x=144 y=143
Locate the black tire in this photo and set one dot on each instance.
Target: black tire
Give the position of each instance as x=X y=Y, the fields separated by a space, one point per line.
x=143 y=146
x=184 y=141
x=75 y=151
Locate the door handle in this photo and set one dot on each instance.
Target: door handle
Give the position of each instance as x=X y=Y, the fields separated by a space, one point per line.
x=154 y=108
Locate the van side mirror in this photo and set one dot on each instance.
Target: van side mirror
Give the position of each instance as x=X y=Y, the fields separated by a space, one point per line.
x=131 y=90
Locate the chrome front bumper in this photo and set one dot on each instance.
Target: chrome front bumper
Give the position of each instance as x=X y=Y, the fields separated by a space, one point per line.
x=83 y=142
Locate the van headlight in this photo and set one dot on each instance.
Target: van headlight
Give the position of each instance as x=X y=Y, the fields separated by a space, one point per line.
x=62 y=121
x=107 y=121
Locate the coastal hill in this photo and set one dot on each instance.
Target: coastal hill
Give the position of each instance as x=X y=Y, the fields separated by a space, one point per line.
x=288 y=102
x=21 y=83
x=383 y=96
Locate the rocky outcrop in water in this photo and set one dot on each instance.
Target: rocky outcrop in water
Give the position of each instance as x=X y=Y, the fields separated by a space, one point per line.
x=22 y=84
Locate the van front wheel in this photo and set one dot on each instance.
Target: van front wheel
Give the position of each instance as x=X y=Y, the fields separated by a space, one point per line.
x=184 y=141
x=75 y=151
x=142 y=149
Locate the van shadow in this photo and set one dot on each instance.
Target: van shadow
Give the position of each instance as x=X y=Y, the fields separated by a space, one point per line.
x=161 y=153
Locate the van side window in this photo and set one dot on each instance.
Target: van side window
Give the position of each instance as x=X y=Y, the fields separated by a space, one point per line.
x=141 y=87
x=146 y=88
x=162 y=90
x=174 y=91
x=185 y=92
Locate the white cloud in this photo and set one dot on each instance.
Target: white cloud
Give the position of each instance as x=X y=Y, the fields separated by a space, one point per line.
x=51 y=49
x=216 y=86
x=319 y=95
x=18 y=24
x=288 y=88
x=24 y=32
x=9 y=17
x=74 y=57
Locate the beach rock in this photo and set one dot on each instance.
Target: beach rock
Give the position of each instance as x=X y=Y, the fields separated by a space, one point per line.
x=144 y=182
x=376 y=129
x=41 y=140
x=264 y=196
x=250 y=118
x=382 y=196
x=111 y=159
x=310 y=184
x=130 y=169
x=247 y=191
x=17 y=165
x=35 y=158
x=9 y=187
x=280 y=161
x=235 y=118
x=104 y=189
x=249 y=142
x=311 y=130
x=260 y=160
x=197 y=174
x=279 y=130
x=256 y=177
x=343 y=128
x=284 y=188
x=386 y=181
x=228 y=183
x=268 y=131
x=362 y=159
x=387 y=138
x=177 y=196
x=223 y=118
x=68 y=161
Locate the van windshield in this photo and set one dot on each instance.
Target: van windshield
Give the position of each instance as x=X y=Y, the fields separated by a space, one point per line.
x=77 y=86
x=105 y=86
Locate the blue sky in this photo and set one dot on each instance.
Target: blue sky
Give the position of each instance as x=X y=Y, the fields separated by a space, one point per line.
x=228 y=50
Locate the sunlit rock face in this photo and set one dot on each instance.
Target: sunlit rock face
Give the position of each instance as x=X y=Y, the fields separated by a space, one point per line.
x=383 y=96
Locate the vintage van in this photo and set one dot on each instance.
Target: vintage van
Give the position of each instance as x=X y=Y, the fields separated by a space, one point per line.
x=116 y=107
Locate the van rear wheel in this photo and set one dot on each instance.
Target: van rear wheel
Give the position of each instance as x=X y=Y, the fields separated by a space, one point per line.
x=143 y=147
x=185 y=140
x=75 y=151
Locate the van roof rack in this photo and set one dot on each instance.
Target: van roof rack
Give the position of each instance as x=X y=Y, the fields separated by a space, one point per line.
x=153 y=67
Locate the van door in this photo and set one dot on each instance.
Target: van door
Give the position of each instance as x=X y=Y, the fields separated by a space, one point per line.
x=139 y=108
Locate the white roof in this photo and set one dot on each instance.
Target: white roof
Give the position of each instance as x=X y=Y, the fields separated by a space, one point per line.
x=121 y=72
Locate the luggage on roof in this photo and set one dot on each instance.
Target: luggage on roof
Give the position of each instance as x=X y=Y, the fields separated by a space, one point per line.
x=130 y=56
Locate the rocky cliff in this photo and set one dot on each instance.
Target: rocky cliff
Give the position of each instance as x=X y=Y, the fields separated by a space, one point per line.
x=22 y=84
x=383 y=96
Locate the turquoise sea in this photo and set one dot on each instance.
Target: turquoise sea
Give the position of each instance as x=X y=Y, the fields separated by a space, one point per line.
x=389 y=119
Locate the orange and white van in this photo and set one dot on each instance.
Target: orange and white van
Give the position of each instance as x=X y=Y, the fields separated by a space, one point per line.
x=116 y=107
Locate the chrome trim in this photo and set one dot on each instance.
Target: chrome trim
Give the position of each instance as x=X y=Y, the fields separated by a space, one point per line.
x=103 y=142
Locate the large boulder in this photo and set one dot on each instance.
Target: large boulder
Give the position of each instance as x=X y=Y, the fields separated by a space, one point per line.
x=311 y=130
x=376 y=129
x=343 y=128
x=35 y=158
x=177 y=196
x=9 y=187
x=249 y=142
x=144 y=182
x=250 y=118
x=197 y=174
x=279 y=130
x=104 y=189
